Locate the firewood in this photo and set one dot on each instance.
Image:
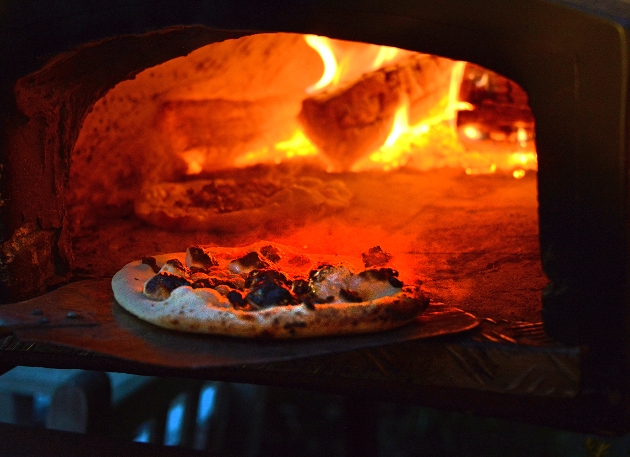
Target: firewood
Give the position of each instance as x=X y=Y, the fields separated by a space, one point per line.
x=351 y=121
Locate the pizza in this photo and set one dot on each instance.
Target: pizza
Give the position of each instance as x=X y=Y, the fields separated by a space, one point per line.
x=238 y=201
x=267 y=290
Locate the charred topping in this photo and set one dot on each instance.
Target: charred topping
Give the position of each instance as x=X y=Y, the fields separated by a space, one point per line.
x=303 y=293
x=268 y=288
x=252 y=260
x=375 y=257
x=236 y=299
x=176 y=263
x=196 y=256
x=382 y=274
x=152 y=263
x=256 y=277
x=308 y=302
x=300 y=287
x=271 y=252
x=319 y=274
x=175 y=267
x=161 y=285
x=268 y=293
x=350 y=295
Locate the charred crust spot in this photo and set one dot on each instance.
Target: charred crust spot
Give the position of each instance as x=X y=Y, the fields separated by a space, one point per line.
x=294 y=325
x=350 y=295
x=271 y=253
x=395 y=282
x=152 y=263
x=175 y=322
x=321 y=301
x=247 y=317
x=299 y=260
x=375 y=257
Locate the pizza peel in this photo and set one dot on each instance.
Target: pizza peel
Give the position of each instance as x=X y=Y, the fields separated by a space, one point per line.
x=100 y=325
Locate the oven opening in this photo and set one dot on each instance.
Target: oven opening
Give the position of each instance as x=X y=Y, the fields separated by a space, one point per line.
x=326 y=146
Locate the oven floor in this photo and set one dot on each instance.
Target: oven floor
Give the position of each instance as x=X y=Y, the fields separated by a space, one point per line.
x=471 y=240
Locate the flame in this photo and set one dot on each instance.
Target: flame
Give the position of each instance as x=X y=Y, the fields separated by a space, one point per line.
x=432 y=142
x=401 y=125
x=296 y=146
x=385 y=54
x=344 y=61
x=322 y=46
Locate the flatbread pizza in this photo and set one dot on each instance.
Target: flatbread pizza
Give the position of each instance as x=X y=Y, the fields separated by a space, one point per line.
x=267 y=291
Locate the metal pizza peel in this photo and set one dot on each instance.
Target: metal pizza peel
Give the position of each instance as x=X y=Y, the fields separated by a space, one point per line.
x=85 y=316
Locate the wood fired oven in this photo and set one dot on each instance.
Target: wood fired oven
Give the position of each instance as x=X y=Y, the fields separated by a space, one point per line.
x=480 y=243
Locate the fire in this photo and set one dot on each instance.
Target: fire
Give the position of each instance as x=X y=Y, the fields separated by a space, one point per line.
x=296 y=146
x=385 y=54
x=345 y=61
x=322 y=46
x=436 y=140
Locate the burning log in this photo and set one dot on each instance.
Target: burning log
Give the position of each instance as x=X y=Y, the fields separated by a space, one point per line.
x=351 y=121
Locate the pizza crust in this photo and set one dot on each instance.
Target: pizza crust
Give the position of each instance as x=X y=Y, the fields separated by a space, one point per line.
x=207 y=311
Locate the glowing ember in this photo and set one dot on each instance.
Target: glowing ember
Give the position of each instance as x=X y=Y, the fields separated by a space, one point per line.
x=518 y=174
x=195 y=159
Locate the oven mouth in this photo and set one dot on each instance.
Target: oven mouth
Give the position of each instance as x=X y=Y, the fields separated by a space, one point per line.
x=455 y=204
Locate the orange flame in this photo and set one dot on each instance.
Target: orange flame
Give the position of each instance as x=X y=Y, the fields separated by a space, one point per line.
x=322 y=46
x=431 y=143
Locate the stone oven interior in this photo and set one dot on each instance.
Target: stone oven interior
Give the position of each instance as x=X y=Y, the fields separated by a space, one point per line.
x=477 y=241
x=469 y=235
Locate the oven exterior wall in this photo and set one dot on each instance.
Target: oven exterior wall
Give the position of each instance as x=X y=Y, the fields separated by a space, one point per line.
x=569 y=57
